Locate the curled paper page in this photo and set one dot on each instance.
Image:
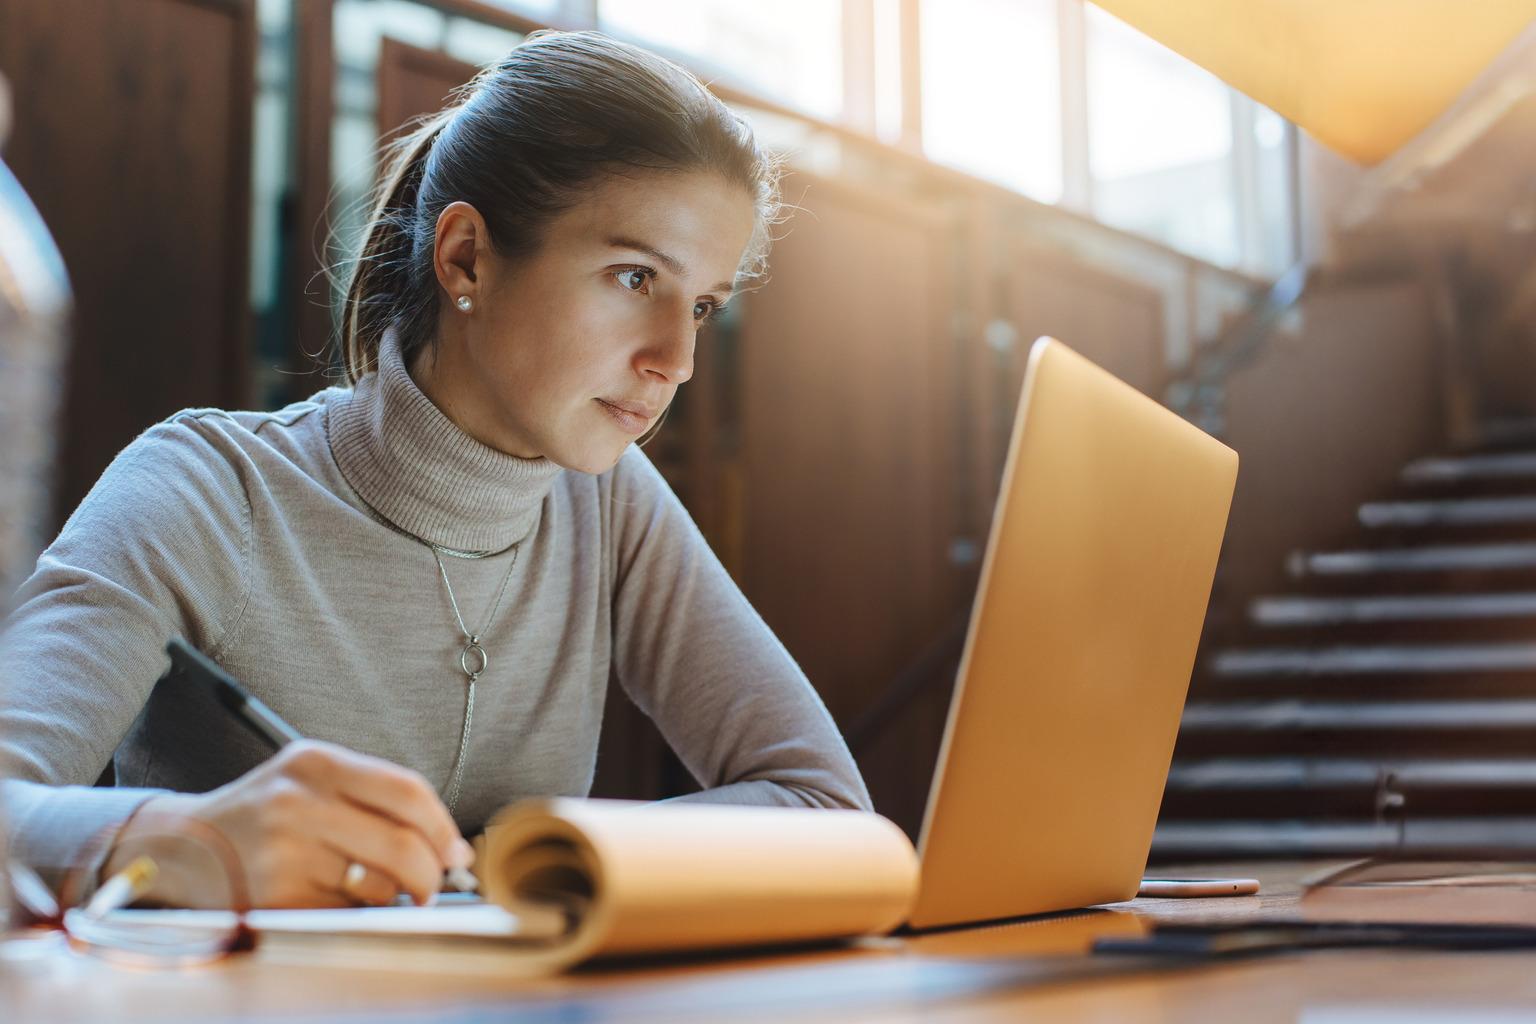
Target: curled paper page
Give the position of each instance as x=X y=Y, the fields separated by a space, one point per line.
x=638 y=878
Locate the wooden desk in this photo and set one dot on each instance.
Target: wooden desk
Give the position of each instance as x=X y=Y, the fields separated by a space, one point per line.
x=970 y=975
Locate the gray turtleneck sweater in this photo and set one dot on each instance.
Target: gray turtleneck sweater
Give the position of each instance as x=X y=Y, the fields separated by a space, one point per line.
x=285 y=545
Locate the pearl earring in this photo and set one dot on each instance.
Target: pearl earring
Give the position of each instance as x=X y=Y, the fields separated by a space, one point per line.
x=465 y=303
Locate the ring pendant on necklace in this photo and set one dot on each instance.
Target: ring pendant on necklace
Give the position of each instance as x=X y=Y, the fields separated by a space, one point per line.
x=473 y=661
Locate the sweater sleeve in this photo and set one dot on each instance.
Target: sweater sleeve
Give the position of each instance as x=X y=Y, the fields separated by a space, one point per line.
x=695 y=657
x=157 y=549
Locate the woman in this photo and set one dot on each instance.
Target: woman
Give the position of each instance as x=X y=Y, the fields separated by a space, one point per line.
x=432 y=573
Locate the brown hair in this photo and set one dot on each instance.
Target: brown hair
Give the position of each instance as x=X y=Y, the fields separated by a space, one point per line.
x=519 y=144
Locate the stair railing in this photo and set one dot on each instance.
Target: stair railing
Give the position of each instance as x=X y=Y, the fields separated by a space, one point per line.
x=1199 y=395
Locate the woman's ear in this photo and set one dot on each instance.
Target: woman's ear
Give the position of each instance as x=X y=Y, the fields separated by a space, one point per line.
x=460 y=246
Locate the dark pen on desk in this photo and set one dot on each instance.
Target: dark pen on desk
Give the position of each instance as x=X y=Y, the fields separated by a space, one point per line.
x=259 y=718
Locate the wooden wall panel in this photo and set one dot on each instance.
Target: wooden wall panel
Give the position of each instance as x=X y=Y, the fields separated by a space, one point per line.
x=413 y=81
x=132 y=134
x=848 y=429
x=1324 y=420
x=307 y=283
x=1115 y=322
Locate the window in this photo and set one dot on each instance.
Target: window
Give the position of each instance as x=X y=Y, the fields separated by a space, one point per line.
x=991 y=78
x=789 y=52
x=1274 y=247
x=1160 y=147
x=532 y=8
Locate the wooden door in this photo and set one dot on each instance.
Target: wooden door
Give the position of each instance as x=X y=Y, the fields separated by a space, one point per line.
x=849 y=362
x=133 y=136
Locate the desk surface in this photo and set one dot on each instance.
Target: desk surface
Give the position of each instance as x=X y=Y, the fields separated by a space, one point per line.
x=983 y=974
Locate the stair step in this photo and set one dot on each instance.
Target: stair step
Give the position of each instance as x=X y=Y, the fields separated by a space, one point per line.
x=1417 y=522
x=1438 y=568
x=1459 y=469
x=1494 y=686
x=1315 y=619
x=1358 y=716
x=1443 y=534
x=1465 y=512
x=1369 y=672
x=1177 y=839
x=1332 y=787
x=1508 y=557
x=1282 y=611
x=1375 y=659
x=1313 y=773
x=1443 y=631
x=1383 y=728
x=1472 y=487
x=1509 y=434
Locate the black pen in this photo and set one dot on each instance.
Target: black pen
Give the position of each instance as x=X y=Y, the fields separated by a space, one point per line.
x=256 y=716
x=251 y=712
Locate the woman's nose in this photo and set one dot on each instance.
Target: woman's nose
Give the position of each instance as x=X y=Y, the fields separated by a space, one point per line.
x=669 y=353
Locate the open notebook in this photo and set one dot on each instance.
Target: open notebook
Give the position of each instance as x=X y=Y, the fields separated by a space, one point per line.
x=572 y=880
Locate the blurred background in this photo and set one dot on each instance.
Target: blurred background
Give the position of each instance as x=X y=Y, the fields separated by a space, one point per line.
x=968 y=175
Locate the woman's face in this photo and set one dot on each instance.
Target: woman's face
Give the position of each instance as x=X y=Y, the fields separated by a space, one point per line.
x=573 y=352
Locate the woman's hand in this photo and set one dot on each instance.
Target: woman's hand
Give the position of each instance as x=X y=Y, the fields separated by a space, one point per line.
x=298 y=823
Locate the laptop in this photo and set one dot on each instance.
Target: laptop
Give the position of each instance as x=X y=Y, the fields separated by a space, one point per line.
x=1081 y=644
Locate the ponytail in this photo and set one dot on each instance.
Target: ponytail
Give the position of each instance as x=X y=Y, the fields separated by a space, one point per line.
x=379 y=292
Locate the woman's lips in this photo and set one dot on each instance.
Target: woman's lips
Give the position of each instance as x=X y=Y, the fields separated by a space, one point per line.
x=632 y=417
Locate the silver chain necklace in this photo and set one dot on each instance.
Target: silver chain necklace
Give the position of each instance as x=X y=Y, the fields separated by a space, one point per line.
x=473 y=652
x=473 y=660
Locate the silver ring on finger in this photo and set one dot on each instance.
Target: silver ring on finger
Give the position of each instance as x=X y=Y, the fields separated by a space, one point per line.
x=353 y=877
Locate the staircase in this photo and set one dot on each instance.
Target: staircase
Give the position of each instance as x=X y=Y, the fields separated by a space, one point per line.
x=1389 y=698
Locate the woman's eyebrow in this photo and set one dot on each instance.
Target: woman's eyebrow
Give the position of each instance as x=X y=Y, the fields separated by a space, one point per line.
x=670 y=262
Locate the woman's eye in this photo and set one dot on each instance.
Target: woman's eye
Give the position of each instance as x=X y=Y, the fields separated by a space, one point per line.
x=634 y=279
x=702 y=311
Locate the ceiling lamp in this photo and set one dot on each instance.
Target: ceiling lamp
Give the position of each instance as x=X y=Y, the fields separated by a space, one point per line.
x=1361 y=76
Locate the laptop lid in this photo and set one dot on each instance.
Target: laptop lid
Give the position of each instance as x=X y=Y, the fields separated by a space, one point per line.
x=1082 y=639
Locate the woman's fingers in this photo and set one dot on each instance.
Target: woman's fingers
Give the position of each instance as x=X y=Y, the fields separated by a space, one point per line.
x=362 y=884
x=394 y=852
x=327 y=880
x=383 y=789
x=298 y=823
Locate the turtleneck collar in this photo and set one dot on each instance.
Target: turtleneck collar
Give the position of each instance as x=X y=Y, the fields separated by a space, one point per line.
x=416 y=468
